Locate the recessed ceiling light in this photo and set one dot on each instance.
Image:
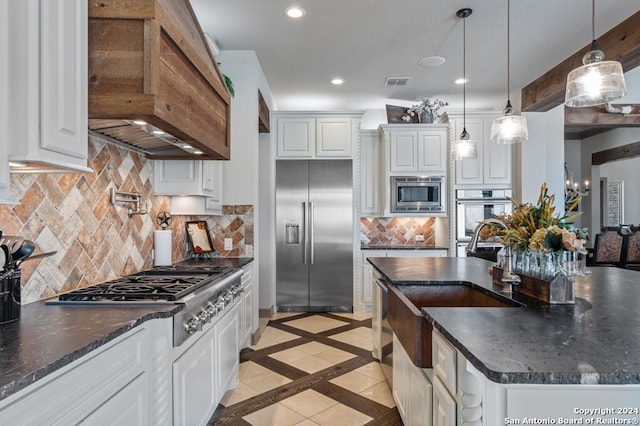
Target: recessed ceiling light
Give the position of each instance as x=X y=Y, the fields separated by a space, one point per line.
x=337 y=81
x=294 y=12
x=139 y=122
x=461 y=81
x=431 y=61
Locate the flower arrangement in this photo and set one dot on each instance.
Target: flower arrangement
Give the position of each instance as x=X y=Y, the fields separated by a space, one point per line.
x=538 y=229
x=428 y=105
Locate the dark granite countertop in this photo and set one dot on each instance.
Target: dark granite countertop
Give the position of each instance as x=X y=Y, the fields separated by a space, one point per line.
x=595 y=341
x=396 y=247
x=48 y=337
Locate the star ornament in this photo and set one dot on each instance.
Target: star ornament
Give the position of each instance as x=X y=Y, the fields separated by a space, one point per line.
x=164 y=219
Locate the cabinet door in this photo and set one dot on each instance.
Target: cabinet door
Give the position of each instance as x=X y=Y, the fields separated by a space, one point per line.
x=333 y=137
x=401 y=378
x=4 y=101
x=370 y=172
x=178 y=177
x=63 y=76
x=497 y=159
x=470 y=171
x=247 y=316
x=403 y=153
x=432 y=152
x=296 y=137
x=420 y=398
x=228 y=359
x=444 y=406
x=129 y=406
x=194 y=382
x=212 y=179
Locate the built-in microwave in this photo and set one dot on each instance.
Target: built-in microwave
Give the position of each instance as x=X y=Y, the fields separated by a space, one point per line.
x=417 y=194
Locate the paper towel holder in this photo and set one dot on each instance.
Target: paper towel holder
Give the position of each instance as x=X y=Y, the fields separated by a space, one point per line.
x=128 y=197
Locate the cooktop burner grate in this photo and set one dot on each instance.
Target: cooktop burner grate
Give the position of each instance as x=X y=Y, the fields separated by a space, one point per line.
x=140 y=287
x=187 y=269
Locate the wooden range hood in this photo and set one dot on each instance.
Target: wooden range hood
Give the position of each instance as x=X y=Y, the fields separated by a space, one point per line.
x=149 y=60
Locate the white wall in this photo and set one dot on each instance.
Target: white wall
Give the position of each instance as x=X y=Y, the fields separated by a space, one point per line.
x=541 y=158
x=248 y=173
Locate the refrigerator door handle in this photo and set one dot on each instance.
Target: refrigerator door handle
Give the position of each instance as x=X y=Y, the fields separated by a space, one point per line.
x=305 y=222
x=311 y=239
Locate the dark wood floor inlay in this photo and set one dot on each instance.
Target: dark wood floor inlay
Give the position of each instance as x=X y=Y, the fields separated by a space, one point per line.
x=301 y=380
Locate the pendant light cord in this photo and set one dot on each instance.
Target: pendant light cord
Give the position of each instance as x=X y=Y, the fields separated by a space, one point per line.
x=464 y=73
x=593 y=20
x=508 y=51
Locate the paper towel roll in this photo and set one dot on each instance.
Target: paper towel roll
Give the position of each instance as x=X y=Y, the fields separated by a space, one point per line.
x=162 y=247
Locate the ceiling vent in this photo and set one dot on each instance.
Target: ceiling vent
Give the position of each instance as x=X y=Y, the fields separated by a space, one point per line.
x=396 y=81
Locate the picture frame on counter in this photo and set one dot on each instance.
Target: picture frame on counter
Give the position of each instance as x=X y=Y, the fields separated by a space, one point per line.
x=199 y=236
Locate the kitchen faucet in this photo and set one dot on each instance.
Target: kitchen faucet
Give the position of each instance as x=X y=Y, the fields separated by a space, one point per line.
x=509 y=279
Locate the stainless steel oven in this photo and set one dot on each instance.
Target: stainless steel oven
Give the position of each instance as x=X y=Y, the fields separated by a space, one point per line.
x=417 y=194
x=476 y=205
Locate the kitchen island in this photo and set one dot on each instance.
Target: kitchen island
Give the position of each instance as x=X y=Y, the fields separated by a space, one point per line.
x=70 y=352
x=537 y=359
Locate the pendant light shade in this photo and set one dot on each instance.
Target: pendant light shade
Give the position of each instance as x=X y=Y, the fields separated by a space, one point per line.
x=597 y=81
x=511 y=127
x=464 y=147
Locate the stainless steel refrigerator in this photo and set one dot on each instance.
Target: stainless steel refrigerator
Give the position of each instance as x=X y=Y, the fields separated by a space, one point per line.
x=314 y=235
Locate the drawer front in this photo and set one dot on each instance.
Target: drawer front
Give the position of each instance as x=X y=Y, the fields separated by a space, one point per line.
x=444 y=362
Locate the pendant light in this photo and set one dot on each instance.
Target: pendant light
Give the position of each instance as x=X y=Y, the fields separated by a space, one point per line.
x=597 y=81
x=464 y=147
x=511 y=127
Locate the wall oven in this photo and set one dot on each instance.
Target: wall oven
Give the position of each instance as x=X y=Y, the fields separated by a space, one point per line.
x=474 y=206
x=417 y=194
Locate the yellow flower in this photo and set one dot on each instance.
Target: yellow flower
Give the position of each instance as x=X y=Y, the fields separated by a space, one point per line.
x=536 y=243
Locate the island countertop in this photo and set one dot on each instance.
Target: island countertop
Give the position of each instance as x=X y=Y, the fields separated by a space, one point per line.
x=595 y=341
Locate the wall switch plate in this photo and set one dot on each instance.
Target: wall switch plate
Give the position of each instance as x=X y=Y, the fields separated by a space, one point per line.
x=419 y=238
x=228 y=244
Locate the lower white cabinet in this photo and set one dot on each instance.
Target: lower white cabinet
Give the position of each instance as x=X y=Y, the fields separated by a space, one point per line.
x=444 y=406
x=205 y=369
x=411 y=389
x=228 y=359
x=246 y=307
x=104 y=387
x=194 y=381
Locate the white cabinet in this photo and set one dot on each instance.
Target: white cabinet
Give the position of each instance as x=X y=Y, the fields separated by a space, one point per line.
x=194 y=381
x=416 y=149
x=370 y=173
x=48 y=91
x=109 y=384
x=247 y=307
x=493 y=166
x=5 y=103
x=444 y=406
x=411 y=389
x=228 y=359
x=196 y=185
x=314 y=135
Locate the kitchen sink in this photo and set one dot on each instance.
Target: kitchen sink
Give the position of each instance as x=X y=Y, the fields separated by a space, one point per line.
x=413 y=330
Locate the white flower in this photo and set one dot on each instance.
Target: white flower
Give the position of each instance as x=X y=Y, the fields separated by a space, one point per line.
x=427 y=104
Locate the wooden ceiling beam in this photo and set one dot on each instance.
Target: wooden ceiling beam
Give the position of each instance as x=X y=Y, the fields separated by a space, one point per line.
x=598 y=116
x=621 y=43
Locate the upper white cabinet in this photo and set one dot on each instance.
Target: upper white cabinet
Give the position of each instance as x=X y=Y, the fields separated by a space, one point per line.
x=317 y=136
x=5 y=104
x=493 y=166
x=48 y=90
x=370 y=167
x=412 y=149
x=196 y=185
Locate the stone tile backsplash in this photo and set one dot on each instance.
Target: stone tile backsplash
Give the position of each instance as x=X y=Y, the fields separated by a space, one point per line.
x=397 y=231
x=96 y=241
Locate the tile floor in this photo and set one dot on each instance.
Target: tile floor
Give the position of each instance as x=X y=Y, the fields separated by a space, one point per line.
x=310 y=369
